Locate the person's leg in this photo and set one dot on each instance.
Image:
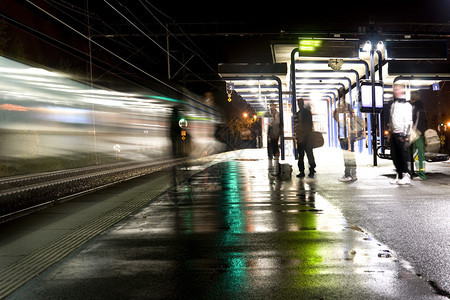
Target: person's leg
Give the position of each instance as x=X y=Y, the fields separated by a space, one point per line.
x=275 y=148
x=269 y=147
x=311 y=161
x=419 y=146
x=396 y=154
x=344 y=147
x=400 y=157
x=405 y=157
x=301 y=156
x=351 y=160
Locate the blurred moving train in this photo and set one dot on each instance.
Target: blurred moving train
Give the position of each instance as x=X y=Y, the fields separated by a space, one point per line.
x=50 y=122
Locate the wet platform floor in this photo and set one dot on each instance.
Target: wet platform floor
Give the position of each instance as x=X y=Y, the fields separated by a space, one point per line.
x=232 y=231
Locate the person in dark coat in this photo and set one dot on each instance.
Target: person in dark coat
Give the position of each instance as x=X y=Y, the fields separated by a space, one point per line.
x=303 y=126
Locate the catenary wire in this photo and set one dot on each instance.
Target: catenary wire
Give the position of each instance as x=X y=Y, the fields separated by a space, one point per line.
x=56 y=42
x=159 y=46
x=134 y=49
x=176 y=38
x=104 y=48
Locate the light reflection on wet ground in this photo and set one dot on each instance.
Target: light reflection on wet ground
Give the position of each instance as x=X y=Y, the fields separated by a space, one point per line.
x=235 y=231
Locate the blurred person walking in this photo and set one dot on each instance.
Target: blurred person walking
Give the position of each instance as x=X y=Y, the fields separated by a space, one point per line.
x=273 y=148
x=420 y=125
x=303 y=127
x=400 y=125
x=346 y=121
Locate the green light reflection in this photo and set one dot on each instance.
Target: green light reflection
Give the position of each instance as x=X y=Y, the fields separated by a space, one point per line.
x=309 y=250
x=236 y=275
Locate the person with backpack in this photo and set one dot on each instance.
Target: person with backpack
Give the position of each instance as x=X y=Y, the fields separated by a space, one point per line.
x=400 y=126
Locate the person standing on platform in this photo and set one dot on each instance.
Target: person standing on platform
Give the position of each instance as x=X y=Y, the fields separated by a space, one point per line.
x=274 y=131
x=400 y=126
x=303 y=126
x=420 y=121
x=345 y=119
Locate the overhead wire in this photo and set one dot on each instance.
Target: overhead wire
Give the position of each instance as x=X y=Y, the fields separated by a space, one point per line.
x=56 y=44
x=135 y=49
x=69 y=6
x=94 y=16
x=140 y=30
x=156 y=8
x=156 y=43
x=169 y=32
x=104 y=48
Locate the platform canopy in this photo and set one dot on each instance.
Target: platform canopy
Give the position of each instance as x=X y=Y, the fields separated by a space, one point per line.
x=328 y=68
x=258 y=84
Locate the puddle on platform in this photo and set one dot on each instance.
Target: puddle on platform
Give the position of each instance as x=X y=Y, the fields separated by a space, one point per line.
x=232 y=233
x=236 y=204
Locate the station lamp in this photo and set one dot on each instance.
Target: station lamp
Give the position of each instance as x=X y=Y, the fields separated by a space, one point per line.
x=380 y=46
x=367 y=46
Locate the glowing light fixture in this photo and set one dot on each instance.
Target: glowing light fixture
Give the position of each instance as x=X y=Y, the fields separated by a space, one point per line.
x=380 y=46
x=309 y=45
x=367 y=46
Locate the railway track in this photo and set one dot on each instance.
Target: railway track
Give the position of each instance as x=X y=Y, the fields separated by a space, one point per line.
x=21 y=195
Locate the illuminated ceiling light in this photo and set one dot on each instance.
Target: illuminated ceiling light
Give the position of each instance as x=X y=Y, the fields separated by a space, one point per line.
x=380 y=46
x=367 y=46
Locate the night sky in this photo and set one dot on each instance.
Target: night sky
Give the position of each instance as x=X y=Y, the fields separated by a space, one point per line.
x=270 y=18
x=298 y=12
